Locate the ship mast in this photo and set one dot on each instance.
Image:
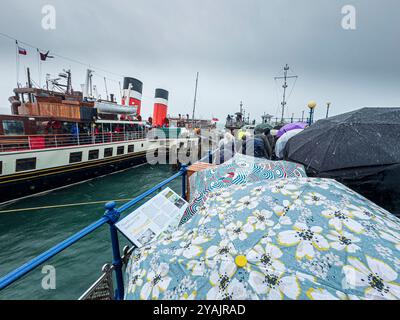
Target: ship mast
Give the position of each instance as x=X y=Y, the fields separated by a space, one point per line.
x=195 y=99
x=285 y=86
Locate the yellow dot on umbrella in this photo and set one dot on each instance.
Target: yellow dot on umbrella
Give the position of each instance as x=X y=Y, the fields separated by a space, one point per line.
x=241 y=261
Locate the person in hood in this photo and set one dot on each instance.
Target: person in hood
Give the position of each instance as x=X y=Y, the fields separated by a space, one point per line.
x=263 y=145
x=227 y=147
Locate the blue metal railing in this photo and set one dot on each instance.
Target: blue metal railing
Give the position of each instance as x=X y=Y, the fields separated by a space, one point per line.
x=111 y=217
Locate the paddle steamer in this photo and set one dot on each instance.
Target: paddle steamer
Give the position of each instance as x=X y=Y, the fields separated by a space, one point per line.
x=56 y=136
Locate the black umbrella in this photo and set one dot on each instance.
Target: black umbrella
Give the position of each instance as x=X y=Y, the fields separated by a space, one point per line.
x=356 y=148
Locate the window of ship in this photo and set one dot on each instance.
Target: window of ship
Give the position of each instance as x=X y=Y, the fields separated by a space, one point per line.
x=13 y=127
x=108 y=152
x=25 y=164
x=75 y=157
x=93 y=154
x=120 y=150
x=131 y=148
x=1 y=168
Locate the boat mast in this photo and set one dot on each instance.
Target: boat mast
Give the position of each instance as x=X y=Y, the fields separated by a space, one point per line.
x=195 y=98
x=285 y=86
x=88 y=84
x=105 y=84
x=69 y=81
x=28 y=74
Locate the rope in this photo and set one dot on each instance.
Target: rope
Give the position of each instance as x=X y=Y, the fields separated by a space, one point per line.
x=62 y=206
x=61 y=56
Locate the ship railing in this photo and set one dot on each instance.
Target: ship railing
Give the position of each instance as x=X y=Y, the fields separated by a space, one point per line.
x=111 y=217
x=278 y=121
x=273 y=121
x=50 y=141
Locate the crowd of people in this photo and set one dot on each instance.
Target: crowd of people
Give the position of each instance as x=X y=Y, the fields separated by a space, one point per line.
x=260 y=145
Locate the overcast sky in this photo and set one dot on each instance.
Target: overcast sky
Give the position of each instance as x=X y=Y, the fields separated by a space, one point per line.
x=238 y=46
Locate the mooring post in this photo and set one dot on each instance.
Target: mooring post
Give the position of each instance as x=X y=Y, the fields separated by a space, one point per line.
x=113 y=216
x=184 y=169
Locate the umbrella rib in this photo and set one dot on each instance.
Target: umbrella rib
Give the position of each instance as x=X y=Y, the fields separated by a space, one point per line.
x=316 y=137
x=319 y=135
x=330 y=143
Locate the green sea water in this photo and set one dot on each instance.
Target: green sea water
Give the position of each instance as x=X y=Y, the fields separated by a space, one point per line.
x=24 y=235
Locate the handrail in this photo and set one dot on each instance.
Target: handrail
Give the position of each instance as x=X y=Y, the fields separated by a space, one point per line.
x=37 y=261
x=111 y=217
x=51 y=141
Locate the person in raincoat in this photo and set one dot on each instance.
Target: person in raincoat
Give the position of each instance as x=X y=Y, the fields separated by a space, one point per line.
x=227 y=147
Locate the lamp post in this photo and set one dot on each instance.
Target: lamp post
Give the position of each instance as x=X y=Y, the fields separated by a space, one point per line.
x=328 y=105
x=311 y=105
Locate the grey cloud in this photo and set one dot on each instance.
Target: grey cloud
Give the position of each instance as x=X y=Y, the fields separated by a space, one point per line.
x=238 y=46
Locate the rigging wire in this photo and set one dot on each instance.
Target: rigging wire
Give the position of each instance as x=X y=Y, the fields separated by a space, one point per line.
x=61 y=56
x=294 y=85
x=62 y=206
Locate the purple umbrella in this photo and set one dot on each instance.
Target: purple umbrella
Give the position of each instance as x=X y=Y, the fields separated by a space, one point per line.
x=290 y=127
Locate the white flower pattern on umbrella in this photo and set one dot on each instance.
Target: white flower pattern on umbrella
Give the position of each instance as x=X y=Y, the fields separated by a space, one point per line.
x=338 y=218
x=173 y=237
x=314 y=199
x=239 y=230
x=343 y=241
x=261 y=219
x=274 y=285
x=136 y=280
x=247 y=202
x=225 y=251
x=377 y=280
x=266 y=257
x=197 y=267
x=282 y=210
x=257 y=191
x=283 y=187
x=323 y=294
x=305 y=238
x=361 y=211
x=157 y=282
x=191 y=247
x=220 y=280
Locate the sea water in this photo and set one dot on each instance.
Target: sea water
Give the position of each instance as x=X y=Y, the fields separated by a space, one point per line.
x=26 y=234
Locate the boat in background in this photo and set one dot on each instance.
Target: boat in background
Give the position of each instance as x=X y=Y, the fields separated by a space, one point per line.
x=57 y=137
x=238 y=120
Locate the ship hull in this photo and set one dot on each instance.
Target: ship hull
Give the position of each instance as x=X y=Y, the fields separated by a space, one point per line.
x=56 y=168
x=17 y=186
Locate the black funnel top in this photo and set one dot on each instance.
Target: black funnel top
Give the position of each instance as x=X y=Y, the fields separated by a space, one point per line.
x=161 y=93
x=137 y=85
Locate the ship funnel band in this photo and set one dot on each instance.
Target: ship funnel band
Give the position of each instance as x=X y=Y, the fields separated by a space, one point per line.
x=162 y=94
x=136 y=85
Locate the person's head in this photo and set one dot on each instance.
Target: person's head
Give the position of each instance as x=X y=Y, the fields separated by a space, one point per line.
x=267 y=131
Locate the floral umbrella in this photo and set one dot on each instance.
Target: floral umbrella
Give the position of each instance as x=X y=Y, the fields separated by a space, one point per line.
x=240 y=169
x=295 y=238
